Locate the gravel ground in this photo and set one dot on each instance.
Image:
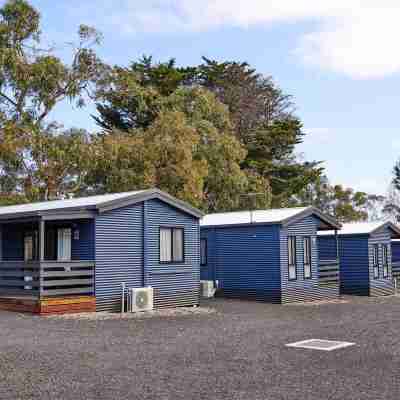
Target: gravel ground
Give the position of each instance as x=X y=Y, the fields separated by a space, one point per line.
x=237 y=352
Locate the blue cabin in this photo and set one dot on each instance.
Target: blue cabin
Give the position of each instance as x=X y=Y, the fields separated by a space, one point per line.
x=365 y=257
x=87 y=247
x=268 y=255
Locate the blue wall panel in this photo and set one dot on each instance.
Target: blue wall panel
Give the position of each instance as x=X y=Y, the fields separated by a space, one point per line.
x=245 y=261
x=208 y=270
x=381 y=286
x=395 y=251
x=354 y=265
x=84 y=248
x=303 y=289
x=396 y=260
x=327 y=247
x=176 y=283
x=119 y=254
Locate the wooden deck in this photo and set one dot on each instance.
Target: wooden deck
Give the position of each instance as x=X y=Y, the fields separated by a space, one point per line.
x=48 y=306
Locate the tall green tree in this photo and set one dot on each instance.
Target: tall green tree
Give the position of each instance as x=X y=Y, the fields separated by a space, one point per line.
x=261 y=115
x=346 y=204
x=33 y=80
x=187 y=148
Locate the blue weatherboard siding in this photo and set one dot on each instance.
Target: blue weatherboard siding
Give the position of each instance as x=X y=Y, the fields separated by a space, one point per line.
x=396 y=260
x=381 y=286
x=303 y=289
x=327 y=247
x=244 y=261
x=178 y=283
x=356 y=265
x=208 y=272
x=83 y=248
x=127 y=250
x=252 y=261
x=119 y=254
x=396 y=251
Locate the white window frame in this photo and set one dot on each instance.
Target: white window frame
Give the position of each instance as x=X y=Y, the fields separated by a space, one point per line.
x=64 y=244
x=28 y=248
x=385 y=260
x=375 y=261
x=292 y=258
x=167 y=251
x=307 y=259
x=203 y=251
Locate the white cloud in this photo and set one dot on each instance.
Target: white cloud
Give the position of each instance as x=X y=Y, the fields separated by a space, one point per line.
x=357 y=38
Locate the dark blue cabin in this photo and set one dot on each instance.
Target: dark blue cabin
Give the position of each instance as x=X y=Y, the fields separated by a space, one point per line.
x=89 y=246
x=268 y=255
x=365 y=257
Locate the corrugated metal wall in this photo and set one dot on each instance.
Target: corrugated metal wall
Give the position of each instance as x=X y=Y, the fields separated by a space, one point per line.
x=119 y=254
x=382 y=286
x=83 y=248
x=303 y=289
x=354 y=274
x=174 y=284
x=395 y=246
x=245 y=261
x=207 y=271
x=327 y=247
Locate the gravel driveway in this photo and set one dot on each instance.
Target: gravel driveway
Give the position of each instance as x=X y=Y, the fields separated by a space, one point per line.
x=237 y=352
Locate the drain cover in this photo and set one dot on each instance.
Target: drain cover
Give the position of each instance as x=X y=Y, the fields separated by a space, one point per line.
x=320 y=344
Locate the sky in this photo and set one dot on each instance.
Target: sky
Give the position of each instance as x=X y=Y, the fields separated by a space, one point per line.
x=339 y=60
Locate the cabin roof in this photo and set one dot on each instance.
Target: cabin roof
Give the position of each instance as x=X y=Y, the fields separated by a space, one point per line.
x=365 y=228
x=100 y=203
x=283 y=216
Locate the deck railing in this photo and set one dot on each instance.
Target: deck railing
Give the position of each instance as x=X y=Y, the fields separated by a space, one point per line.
x=46 y=278
x=328 y=272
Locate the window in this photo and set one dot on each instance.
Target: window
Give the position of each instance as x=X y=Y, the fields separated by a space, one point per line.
x=292 y=258
x=307 y=257
x=31 y=249
x=203 y=251
x=28 y=248
x=64 y=244
x=171 y=245
x=375 y=261
x=385 y=260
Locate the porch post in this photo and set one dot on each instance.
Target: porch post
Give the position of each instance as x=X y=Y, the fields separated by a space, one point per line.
x=41 y=240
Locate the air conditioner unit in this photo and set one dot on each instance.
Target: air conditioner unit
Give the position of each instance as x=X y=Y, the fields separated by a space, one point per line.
x=207 y=289
x=141 y=299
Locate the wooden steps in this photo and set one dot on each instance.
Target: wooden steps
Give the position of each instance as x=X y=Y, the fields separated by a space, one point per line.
x=49 y=305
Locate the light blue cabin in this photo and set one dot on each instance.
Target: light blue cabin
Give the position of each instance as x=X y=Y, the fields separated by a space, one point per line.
x=90 y=246
x=365 y=257
x=268 y=255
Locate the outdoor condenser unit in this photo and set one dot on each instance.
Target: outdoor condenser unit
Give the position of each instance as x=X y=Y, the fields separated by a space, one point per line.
x=141 y=299
x=207 y=289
